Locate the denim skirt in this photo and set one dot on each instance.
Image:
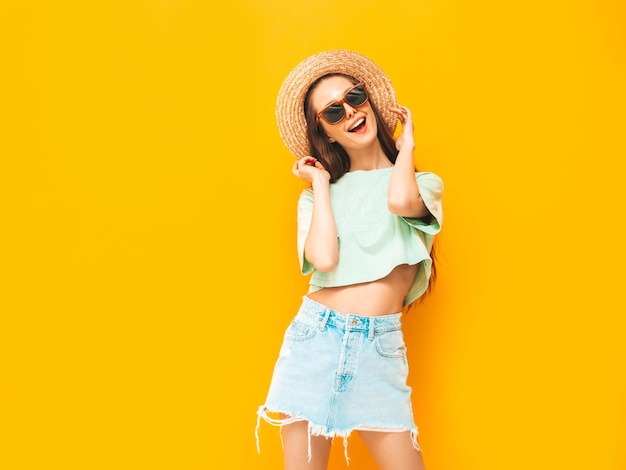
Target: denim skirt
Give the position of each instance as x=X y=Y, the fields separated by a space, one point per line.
x=341 y=372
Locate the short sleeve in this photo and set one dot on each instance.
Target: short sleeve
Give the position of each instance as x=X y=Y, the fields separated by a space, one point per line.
x=431 y=190
x=305 y=212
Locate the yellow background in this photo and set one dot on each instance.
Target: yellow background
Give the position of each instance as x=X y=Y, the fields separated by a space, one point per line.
x=148 y=220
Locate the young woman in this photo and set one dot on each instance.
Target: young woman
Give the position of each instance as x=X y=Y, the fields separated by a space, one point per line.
x=366 y=227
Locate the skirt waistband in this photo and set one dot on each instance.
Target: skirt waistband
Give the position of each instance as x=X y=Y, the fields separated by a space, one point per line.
x=349 y=321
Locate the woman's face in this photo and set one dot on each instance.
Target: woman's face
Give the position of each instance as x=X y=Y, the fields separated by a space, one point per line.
x=358 y=129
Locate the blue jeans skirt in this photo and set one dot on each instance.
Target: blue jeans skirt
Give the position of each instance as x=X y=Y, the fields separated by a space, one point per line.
x=341 y=372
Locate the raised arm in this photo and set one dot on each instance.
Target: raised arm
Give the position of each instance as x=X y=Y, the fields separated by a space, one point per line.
x=321 y=247
x=403 y=196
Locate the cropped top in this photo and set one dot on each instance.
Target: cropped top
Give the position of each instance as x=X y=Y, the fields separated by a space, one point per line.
x=372 y=240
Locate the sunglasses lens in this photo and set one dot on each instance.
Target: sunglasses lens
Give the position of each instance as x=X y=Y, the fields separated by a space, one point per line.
x=334 y=113
x=357 y=96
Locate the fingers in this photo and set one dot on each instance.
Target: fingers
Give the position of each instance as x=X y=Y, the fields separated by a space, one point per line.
x=404 y=114
x=303 y=162
x=306 y=160
x=401 y=109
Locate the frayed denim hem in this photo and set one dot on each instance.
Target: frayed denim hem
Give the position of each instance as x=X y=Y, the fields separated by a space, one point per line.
x=318 y=430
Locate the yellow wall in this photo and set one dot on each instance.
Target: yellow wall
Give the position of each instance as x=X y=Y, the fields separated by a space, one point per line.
x=149 y=263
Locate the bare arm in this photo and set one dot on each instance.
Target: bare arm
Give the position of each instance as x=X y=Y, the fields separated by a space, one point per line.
x=403 y=197
x=321 y=247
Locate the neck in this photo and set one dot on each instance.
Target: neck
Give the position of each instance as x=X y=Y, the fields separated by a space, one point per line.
x=368 y=160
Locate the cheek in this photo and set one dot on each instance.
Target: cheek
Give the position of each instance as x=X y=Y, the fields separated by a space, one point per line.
x=335 y=135
x=371 y=121
x=329 y=132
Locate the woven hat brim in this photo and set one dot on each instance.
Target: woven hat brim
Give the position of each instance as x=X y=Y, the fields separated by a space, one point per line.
x=290 y=101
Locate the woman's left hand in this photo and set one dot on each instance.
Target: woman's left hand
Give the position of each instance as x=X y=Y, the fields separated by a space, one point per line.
x=406 y=137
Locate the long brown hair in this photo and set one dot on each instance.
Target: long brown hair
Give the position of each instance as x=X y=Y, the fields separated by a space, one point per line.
x=334 y=157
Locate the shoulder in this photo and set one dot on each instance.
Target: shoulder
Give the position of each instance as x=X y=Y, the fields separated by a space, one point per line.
x=428 y=176
x=306 y=195
x=429 y=179
x=305 y=200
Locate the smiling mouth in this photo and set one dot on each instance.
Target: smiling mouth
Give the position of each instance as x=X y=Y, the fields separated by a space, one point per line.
x=359 y=124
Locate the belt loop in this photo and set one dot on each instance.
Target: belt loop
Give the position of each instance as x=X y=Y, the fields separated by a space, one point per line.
x=325 y=319
x=370 y=334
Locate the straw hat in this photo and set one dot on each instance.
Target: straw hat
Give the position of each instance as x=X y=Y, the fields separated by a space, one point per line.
x=290 y=101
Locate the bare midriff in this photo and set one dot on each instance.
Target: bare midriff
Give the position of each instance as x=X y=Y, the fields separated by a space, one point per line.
x=380 y=297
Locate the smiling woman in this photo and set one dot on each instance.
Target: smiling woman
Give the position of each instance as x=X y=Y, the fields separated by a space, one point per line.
x=366 y=227
x=147 y=207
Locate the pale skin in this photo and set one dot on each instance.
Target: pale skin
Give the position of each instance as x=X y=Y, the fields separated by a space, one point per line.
x=390 y=450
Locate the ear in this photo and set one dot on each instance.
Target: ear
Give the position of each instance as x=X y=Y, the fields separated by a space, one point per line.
x=331 y=139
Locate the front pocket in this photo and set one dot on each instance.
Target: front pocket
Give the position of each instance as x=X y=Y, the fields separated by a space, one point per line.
x=299 y=331
x=391 y=344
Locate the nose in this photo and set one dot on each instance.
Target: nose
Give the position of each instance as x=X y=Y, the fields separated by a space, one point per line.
x=350 y=111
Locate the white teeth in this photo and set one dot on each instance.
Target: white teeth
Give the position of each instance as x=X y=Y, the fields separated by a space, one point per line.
x=357 y=124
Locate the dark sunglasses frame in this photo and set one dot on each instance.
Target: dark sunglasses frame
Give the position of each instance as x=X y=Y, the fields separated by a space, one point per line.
x=340 y=103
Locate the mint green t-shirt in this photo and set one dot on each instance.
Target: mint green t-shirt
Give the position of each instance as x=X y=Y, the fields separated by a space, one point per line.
x=372 y=240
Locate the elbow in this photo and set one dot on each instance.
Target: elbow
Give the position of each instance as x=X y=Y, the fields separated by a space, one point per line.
x=323 y=256
x=407 y=207
x=394 y=206
x=325 y=265
x=399 y=205
x=325 y=262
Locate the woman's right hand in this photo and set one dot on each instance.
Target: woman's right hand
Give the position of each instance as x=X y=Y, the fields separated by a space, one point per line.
x=308 y=168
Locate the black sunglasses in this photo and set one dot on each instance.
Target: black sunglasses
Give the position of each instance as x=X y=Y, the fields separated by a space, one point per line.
x=335 y=112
